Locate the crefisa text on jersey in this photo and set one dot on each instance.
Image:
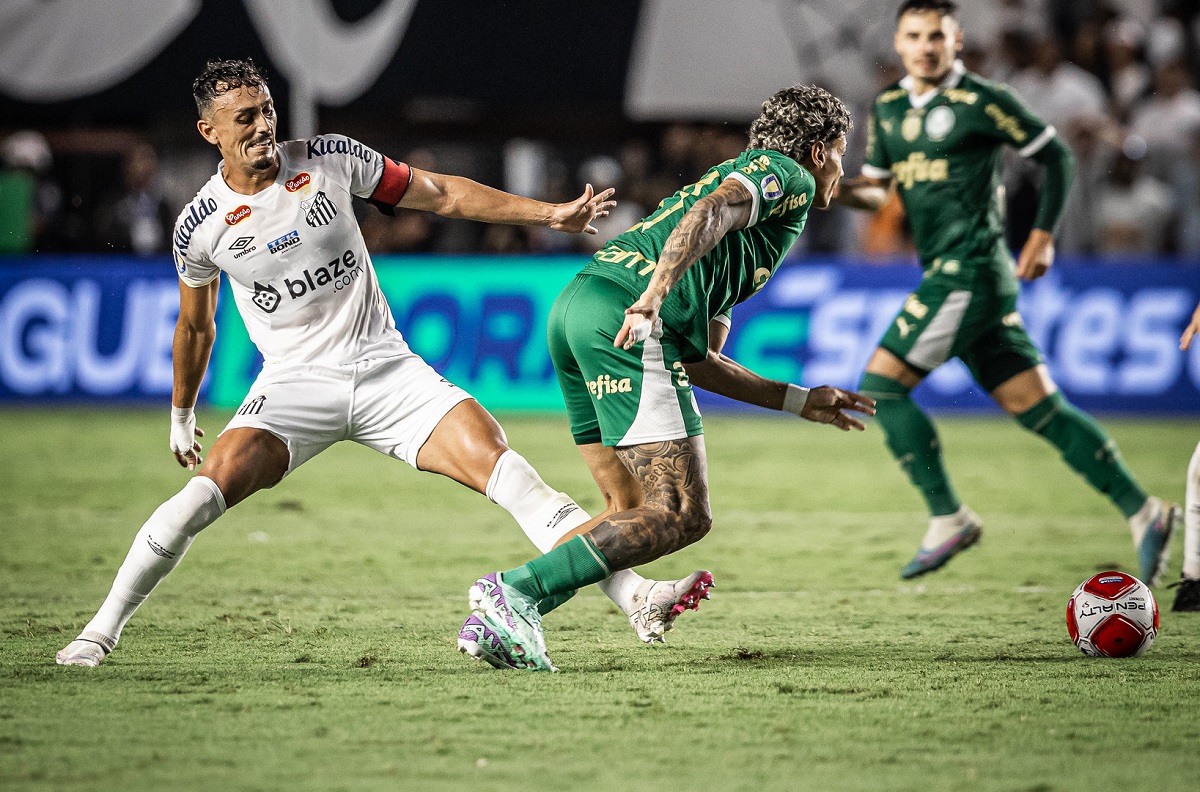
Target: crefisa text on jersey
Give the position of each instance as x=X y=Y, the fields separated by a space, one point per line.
x=198 y=212
x=319 y=146
x=341 y=272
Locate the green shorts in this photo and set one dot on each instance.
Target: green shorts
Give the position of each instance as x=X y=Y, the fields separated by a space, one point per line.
x=614 y=396
x=942 y=320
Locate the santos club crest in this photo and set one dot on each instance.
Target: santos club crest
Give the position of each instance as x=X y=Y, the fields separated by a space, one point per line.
x=318 y=210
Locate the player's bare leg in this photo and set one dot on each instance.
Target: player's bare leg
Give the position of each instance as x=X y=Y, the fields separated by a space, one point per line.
x=674 y=513
x=675 y=510
x=242 y=461
x=469 y=446
x=1187 y=595
x=1035 y=401
x=653 y=605
x=913 y=440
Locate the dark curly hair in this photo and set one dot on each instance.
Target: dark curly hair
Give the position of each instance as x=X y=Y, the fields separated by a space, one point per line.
x=220 y=76
x=943 y=7
x=795 y=118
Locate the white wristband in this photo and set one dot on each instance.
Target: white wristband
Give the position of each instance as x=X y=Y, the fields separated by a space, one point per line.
x=183 y=429
x=795 y=399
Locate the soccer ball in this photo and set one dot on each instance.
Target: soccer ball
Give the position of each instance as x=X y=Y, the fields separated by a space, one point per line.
x=1112 y=615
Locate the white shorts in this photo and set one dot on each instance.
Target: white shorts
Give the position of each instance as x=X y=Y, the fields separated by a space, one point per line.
x=391 y=405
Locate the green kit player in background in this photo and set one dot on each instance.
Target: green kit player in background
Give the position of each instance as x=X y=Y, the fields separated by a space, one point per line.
x=629 y=336
x=938 y=136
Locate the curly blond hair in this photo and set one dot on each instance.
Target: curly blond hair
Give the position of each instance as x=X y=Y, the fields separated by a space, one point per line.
x=795 y=118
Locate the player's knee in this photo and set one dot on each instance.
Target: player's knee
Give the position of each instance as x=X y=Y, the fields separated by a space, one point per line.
x=251 y=460
x=696 y=521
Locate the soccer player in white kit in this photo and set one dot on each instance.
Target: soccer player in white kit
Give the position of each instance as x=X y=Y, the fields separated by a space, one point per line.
x=1187 y=593
x=277 y=220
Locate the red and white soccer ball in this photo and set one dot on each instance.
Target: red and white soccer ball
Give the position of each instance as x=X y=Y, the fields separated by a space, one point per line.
x=1112 y=615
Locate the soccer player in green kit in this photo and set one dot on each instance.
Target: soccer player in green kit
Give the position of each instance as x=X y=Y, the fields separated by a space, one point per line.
x=938 y=135
x=629 y=336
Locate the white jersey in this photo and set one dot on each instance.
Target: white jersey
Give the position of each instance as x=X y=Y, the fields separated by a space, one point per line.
x=294 y=255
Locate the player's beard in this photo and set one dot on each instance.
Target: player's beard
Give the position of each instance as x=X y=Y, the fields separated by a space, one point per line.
x=264 y=162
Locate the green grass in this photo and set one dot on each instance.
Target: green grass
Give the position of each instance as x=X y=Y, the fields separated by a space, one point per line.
x=307 y=641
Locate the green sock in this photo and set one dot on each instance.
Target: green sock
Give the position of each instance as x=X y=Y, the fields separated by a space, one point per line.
x=913 y=441
x=570 y=566
x=554 y=600
x=1087 y=448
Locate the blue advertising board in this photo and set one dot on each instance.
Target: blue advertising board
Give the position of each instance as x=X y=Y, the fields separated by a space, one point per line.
x=88 y=329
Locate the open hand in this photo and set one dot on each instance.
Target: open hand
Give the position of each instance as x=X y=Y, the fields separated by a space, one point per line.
x=578 y=215
x=183 y=439
x=825 y=405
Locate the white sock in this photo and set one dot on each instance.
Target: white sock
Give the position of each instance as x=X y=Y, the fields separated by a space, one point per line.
x=1191 y=519
x=943 y=527
x=157 y=548
x=546 y=516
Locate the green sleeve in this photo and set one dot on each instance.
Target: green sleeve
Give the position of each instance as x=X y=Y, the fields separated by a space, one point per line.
x=875 y=156
x=778 y=185
x=1059 y=165
x=1010 y=121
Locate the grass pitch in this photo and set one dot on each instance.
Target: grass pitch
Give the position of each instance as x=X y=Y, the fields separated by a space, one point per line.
x=307 y=640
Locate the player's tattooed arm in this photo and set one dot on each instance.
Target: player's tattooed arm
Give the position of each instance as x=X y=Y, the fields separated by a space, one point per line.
x=673 y=474
x=725 y=209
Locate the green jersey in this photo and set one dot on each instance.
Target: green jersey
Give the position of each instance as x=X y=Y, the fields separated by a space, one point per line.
x=737 y=267
x=944 y=151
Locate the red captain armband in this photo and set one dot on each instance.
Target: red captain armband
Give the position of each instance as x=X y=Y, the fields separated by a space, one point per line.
x=392 y=186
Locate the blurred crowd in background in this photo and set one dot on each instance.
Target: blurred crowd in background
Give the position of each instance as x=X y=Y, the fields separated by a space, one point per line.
x=1117 y=78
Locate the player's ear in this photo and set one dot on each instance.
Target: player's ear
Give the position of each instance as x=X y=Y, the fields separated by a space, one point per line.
x=207 y=131
x=817 y=154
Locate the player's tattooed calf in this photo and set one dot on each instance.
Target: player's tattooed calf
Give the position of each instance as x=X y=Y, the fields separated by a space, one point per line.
x=673 y=475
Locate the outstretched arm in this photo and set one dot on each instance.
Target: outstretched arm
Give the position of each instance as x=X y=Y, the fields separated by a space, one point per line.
x=725 y=209
x=863 y=192
x=195 y=331
x=724 y=376
x=454 y=196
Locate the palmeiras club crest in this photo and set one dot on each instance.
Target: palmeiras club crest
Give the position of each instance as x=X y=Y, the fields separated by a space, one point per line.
x=318 y=210
x=266 y=297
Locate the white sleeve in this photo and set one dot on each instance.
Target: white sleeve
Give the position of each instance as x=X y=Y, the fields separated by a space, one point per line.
x=194 y=271
x=191 y=263
x=359 y=166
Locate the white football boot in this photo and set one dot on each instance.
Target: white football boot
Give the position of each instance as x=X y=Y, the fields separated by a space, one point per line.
x=89 y=649
x=657 y=603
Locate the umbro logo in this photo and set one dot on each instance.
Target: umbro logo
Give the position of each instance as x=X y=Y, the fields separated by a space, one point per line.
x=243 y=246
